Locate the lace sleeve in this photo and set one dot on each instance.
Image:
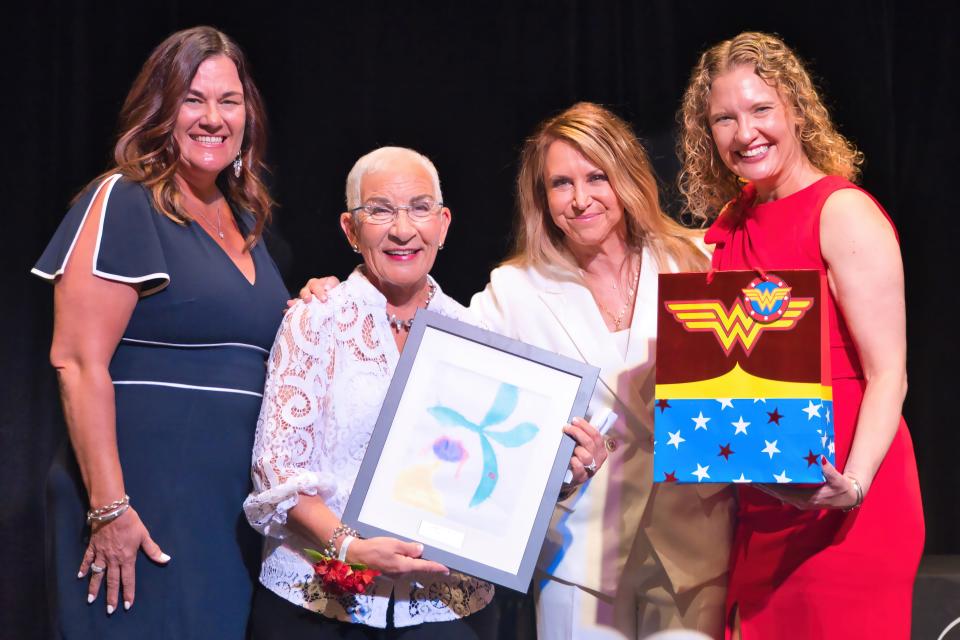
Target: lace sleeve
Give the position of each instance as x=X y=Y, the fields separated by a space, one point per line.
x=286 y=451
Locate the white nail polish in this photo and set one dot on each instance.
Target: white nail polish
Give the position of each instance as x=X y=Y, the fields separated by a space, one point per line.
x=126 y=605
x=164 y=557
x=91 y=598
x=79 y=574
x=110 y=609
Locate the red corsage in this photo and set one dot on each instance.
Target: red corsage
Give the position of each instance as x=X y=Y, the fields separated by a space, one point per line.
x=340 y=578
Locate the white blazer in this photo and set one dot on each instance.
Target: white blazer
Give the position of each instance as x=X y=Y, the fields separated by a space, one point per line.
x=592 y=533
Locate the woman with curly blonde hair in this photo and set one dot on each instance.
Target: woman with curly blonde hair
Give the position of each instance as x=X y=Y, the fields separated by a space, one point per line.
x=836 y=560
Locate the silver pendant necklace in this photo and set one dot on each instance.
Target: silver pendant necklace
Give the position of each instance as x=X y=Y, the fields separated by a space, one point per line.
x=404 y=325
x=204 y=216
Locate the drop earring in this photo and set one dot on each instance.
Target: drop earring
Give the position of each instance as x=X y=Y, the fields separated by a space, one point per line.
x=356 y=249
x=237 y=166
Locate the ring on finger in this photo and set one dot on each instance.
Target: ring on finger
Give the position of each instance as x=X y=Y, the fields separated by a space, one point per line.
x=95 y=568
x=591 y=468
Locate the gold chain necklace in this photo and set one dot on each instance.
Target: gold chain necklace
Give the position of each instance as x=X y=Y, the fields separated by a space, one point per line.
x=631 y=297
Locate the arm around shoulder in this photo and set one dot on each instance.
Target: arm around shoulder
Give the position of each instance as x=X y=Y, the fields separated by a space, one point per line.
x=499 y=301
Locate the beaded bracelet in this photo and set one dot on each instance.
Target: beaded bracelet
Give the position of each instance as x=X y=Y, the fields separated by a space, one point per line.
x=341 y=530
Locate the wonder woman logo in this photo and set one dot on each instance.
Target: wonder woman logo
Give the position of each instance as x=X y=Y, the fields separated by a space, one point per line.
x=767 y=298
x=766 y=306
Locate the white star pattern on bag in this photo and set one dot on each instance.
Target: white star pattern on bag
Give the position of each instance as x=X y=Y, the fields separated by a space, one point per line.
x=675 y=440
x=741 y=426
x=701 y=472
x=771 y=448
x=700 y=421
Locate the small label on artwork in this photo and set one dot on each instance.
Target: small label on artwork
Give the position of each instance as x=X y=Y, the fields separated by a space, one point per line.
x=441 y=534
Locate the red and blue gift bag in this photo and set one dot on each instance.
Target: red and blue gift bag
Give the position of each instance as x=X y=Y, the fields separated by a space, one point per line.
x=743 y=378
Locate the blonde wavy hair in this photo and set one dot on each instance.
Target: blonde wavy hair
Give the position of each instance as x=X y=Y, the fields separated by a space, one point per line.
x=706 y=183
x=608 y=142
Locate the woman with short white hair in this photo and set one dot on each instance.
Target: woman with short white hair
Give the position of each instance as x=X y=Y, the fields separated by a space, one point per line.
x=328 y=374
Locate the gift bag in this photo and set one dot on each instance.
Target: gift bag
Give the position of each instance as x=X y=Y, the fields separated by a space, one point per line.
x=743 y=378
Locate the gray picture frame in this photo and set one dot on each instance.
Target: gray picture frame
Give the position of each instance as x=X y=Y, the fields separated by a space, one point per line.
x=507 y=348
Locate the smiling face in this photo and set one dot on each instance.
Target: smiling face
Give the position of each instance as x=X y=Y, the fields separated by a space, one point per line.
x=397 y=255
x=754 y=130
x=211 y=120
x=581 y=199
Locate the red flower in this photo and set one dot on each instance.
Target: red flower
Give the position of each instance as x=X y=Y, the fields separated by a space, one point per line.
x=340 y=578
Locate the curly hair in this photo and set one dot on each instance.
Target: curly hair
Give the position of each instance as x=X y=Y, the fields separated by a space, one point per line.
x=705 y=182
x=146 y=151
x=609 y=143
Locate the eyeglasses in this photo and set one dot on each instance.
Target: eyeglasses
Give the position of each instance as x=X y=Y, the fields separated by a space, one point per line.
x=386 y=212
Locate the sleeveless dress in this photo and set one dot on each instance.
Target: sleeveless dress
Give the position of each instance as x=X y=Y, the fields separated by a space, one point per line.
x=821 y=574
x=188 y=376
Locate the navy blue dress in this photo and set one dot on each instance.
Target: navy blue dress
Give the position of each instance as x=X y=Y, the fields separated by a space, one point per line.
x=188 y=377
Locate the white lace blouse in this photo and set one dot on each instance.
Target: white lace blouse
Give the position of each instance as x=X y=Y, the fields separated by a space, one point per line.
x=328 y=373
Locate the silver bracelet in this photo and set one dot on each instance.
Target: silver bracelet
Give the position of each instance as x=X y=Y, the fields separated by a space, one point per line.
x=859 y=501
x=109 y=516
x=109 y=512
x=342 y=556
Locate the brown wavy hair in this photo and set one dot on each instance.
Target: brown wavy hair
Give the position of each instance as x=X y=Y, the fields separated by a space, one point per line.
x=704 y=180
x=608 y=142
x=146 y=151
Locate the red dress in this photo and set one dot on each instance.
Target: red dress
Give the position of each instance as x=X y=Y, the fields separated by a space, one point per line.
x=820 y=574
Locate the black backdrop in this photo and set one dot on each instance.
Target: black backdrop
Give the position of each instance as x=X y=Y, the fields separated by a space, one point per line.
x=463 y=83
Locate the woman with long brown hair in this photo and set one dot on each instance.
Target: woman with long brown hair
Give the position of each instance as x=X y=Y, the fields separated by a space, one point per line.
x=836 y=561
x=166 y=303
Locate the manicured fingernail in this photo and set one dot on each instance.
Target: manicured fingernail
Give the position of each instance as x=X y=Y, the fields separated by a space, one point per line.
x=91 y=598
x=80 y=574
x=126 y=605
x=420 y=547
x=823 y=460
x=164 y=557
x=110 y=609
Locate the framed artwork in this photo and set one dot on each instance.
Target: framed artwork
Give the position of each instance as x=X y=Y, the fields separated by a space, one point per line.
x=468 y=453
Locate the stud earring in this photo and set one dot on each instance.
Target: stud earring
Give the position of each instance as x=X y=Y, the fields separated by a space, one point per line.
x=356 y=249
x=440 y=247
x=237 y=166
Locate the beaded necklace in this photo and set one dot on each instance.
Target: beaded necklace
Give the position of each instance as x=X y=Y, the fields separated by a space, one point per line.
x=404 y=325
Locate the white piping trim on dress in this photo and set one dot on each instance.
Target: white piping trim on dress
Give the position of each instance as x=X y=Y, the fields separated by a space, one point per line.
x=109 y=184
x=197 y=345
x=50 y=276
x=177 y=385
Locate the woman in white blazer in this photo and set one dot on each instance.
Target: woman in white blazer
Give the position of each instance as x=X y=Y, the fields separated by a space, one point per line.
x=582 y=281
x=621 y=554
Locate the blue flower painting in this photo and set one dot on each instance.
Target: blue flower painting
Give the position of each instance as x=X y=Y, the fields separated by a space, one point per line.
x=504 y=404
